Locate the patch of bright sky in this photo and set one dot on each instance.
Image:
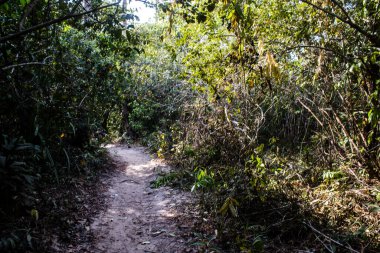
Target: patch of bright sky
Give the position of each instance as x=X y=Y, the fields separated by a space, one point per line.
x=145 y=14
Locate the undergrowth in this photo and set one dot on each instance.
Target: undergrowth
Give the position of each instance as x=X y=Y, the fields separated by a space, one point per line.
x=50 y=212
x=273 y=203
x=271 y=200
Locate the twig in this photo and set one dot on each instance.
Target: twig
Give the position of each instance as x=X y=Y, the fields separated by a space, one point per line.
x=81 y=102
x=128 y=180
x=148 y=3
x=280 y=222
x=23 y=64
x=268 y=210
x=328 y=248
x=26 y=64
x=309 y=110
x=329 y=238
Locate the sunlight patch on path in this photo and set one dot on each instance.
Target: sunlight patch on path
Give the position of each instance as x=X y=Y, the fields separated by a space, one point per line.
x=140 y=219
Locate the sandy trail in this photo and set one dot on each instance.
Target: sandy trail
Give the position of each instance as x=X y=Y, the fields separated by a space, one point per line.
x=140 y=219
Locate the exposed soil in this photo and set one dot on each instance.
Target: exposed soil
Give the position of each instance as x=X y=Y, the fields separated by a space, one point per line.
x=139 y=218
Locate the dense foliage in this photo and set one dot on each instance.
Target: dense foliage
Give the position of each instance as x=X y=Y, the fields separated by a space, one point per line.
x=157 y=92
x=271 y=106
x=62 y=73
x=283 y=116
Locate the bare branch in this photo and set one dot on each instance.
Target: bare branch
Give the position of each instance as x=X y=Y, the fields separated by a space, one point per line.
x=329 y=238
x=312 y=113
x=26 y=64
x=52 y=22
x=23 y=64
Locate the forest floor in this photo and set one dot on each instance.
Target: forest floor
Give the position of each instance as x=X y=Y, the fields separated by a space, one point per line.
x=138 y=218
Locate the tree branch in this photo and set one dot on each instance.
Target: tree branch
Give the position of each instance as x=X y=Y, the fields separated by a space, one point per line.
x=327 y=237
x=28 y=10
x=75 y=7
x=317 y=47
x=311 y=112
x=44 y=62
x=52 y=22
x=375 y=40
x=148 y=3
x=23 y=64
x=340 y=6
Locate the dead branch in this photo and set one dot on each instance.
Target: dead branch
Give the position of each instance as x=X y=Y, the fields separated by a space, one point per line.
x=312 y=113
x=329 y=238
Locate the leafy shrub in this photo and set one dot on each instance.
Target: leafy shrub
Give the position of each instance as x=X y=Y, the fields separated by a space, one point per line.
x=203 y=179
x=143 y=118
x=165 y=179
x=18 y=173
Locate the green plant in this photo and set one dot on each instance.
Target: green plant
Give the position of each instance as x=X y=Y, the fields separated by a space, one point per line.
x=18 y=173
x=258 y=171
x=203 y=179
x=231 y=205
x=330 y=176
x=165 y=180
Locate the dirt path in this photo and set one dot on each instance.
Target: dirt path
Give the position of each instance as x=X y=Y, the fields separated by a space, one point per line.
x=138 y=218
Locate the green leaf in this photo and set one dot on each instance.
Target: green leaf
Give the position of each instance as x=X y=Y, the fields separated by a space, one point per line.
x=374 y=208
x=258 y=245
x=233 y=210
